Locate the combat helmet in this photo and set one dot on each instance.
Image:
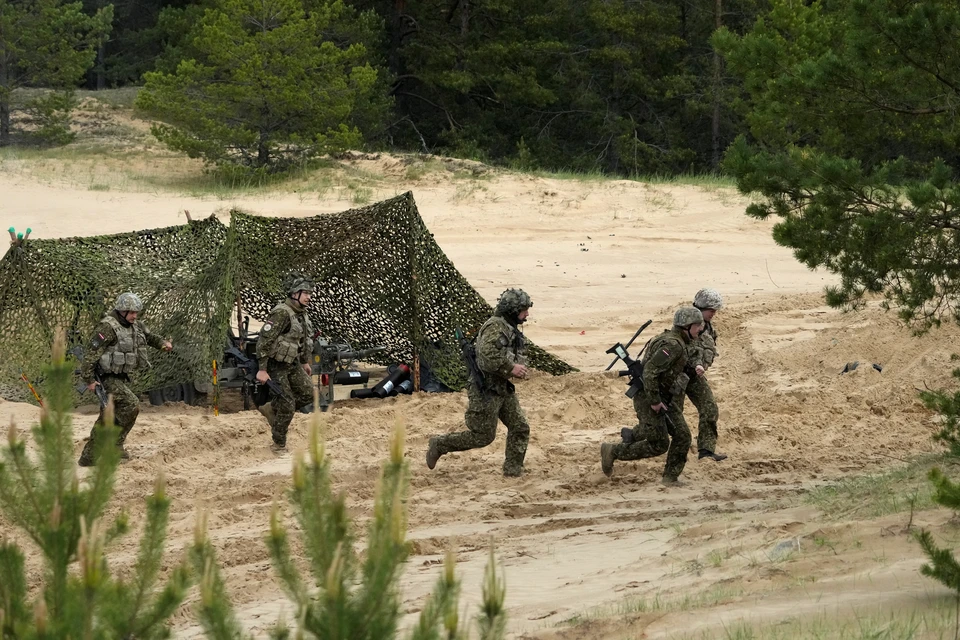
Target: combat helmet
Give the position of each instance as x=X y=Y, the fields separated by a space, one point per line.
x=708 y=299
x=511 y=303
x=128 y=302
x=686 y=316
x=296 y=282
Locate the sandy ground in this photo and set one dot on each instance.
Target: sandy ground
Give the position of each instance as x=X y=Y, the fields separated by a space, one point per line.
x=580 y=551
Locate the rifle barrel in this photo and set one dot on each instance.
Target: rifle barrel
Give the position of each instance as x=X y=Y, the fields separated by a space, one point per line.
x=627 y=346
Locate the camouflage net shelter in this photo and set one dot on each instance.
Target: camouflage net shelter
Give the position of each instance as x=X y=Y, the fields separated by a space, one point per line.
x=381 y=279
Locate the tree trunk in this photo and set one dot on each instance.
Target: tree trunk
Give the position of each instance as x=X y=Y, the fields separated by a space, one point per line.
x=4 y=103
x=717 y=90
x=101 y=77
x=683 y=22
x=464 y=19
x=101 y=65
x=396 y=37
x=263 y=151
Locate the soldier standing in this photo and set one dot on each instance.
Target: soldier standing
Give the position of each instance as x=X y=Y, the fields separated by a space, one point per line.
x=702 y=354
x=118 y=348
x=661 y=425
x=284 y=349
x=500 y=350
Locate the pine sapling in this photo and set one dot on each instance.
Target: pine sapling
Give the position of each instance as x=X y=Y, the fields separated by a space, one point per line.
x=63 y=517
x=348 y=596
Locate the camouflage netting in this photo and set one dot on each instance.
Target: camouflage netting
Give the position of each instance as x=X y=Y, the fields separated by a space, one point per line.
x=381 y=279
x=69 y=284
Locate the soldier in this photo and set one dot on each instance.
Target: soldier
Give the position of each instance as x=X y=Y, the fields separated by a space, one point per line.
x=702 y=354
x=118 y=348
x=500 y=347
x=661 y=424
x=284 y=349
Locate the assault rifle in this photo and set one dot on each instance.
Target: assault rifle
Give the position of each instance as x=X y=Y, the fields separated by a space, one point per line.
x=469 y=352
x=247 y=368
x=81 y=388
x=634 y=367
x=627 y=346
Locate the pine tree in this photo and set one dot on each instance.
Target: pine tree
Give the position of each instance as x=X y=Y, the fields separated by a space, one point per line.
x=266 y=87
x=46 y=43
x=355 y=597
x=63 y=518
x=854 y=142
x=947 y=404
x=943 y=566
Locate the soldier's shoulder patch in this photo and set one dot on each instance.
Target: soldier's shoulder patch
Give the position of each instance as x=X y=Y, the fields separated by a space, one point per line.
x=502 y=341
x=98 y=339
x=267 y=327
x=663 y=351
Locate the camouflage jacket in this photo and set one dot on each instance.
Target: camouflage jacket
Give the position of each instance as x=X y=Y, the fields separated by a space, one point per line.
x=703 y=350
x=104 y=338
x=499 y=346
x=286 y=336
x=664 y=359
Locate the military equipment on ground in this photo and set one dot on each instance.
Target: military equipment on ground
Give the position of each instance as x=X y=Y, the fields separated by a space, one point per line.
x=389 y=385
x=333 y=364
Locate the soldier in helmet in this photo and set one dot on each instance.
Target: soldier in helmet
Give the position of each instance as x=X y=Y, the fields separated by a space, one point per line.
x=118 y=348
x=284 y=349
x=661 y=425
x=701 y=355
x=500 y=356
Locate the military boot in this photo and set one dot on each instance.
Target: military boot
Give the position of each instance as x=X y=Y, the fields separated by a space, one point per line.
x=266 y=410
x=606 y=458
x=86 y=456
x=120 y=442
x=705 y=453
x=433 y=453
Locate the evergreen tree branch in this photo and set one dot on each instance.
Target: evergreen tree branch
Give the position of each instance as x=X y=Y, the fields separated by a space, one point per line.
x=492 y=620
x=149 y=556
x=215 y=611
x=440 y=607
x=13 y=590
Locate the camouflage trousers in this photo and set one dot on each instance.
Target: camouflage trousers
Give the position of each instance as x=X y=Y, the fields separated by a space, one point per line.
x=126 y=408
x=701 y=396
x=297 y=392
x=656 y=434
x=483 y=413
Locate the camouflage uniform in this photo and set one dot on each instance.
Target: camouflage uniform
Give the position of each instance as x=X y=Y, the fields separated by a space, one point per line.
x=500 y=345
x=703 y=352
x=663 y=360
x=117 y=349
x=666 y=431
x=284 y=346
